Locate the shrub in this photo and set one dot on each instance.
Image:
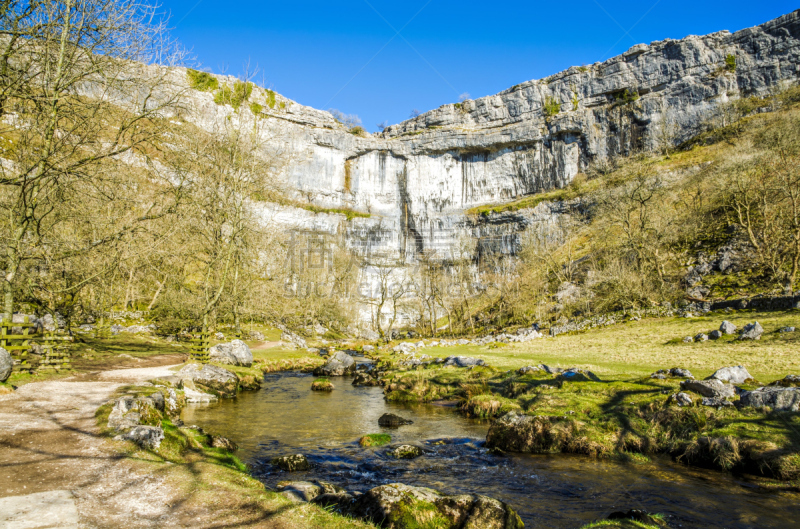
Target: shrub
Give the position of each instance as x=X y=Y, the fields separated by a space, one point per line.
x=730 y=63
x=202 y=81
x=270 y=99
x=256 y=109
x=358 y=131
x=551 y=107
x=233 y=96
x=575 y=101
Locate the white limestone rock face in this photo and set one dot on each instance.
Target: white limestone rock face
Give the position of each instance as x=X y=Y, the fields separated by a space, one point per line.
x=417 y=179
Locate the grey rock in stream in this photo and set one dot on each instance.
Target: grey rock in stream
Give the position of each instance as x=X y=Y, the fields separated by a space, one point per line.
x=293 y=463
x=398 y=506
x=391 y=420
x=405 y=452
x=339 y=364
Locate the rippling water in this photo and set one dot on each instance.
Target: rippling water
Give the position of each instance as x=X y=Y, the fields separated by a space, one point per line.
x=558 y=491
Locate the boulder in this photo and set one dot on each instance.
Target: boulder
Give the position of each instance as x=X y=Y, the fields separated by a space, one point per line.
x=339 y=364
x=365 y=379
x=6 y=364
x=528 y=369
x=709 y=388
x=257 y=336
x=521 y=433
x=787 y=329
x=701 y=337
x=688 y=339
x=463 y=361
x=368 y=348
x=194 y=396
x=681 y=399
x=295 y=463
x=392 y=421
x=680 y=372
x=734 y=375
x=304 y=491
x=788 y=381
x=341 y=502
x=210 y=379
x=235 y=353
x=727 y=327
x=125 y=414
x=144 y=436
x=217 y=441
x=715 y=402
x=752 y=331
x=398 y=506
x=405 y=452
x=715 y=335
x=777 y=398
x=293 y=339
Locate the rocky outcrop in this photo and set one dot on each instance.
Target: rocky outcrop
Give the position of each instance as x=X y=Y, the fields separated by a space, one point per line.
x=209 y=379
x=235 y=353
x=398 y=506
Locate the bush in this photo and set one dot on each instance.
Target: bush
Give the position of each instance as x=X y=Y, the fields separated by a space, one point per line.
x=358 y=131
x=730 y=63
x=270 y=99
x=256 y=109
x=202 y=81
x=234 y=96
x=551 y=107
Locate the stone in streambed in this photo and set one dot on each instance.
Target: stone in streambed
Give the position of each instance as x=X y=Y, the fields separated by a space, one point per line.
x=405 y=452
x=339 y=364
x=391 y=420
x=294 y=463
x=398 y=506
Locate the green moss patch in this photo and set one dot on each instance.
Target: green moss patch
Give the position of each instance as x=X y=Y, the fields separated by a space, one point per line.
x=375 y=439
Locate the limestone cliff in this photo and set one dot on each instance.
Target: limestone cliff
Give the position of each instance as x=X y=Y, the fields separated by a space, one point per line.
x=416 y=179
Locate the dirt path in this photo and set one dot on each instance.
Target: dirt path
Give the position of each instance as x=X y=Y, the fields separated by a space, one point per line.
x=55 y=471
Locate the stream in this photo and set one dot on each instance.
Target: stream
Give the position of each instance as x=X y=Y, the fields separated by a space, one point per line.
x=559 y=491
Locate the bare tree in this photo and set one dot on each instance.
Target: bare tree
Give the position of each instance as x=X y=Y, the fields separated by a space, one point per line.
x=79 y=88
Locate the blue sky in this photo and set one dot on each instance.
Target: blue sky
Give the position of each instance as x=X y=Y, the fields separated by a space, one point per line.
x=382 y=59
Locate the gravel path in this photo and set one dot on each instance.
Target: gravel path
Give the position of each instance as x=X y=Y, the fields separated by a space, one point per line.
x=56 y=471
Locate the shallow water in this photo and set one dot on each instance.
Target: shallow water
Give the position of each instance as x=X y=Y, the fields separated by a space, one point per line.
x=558 y=491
